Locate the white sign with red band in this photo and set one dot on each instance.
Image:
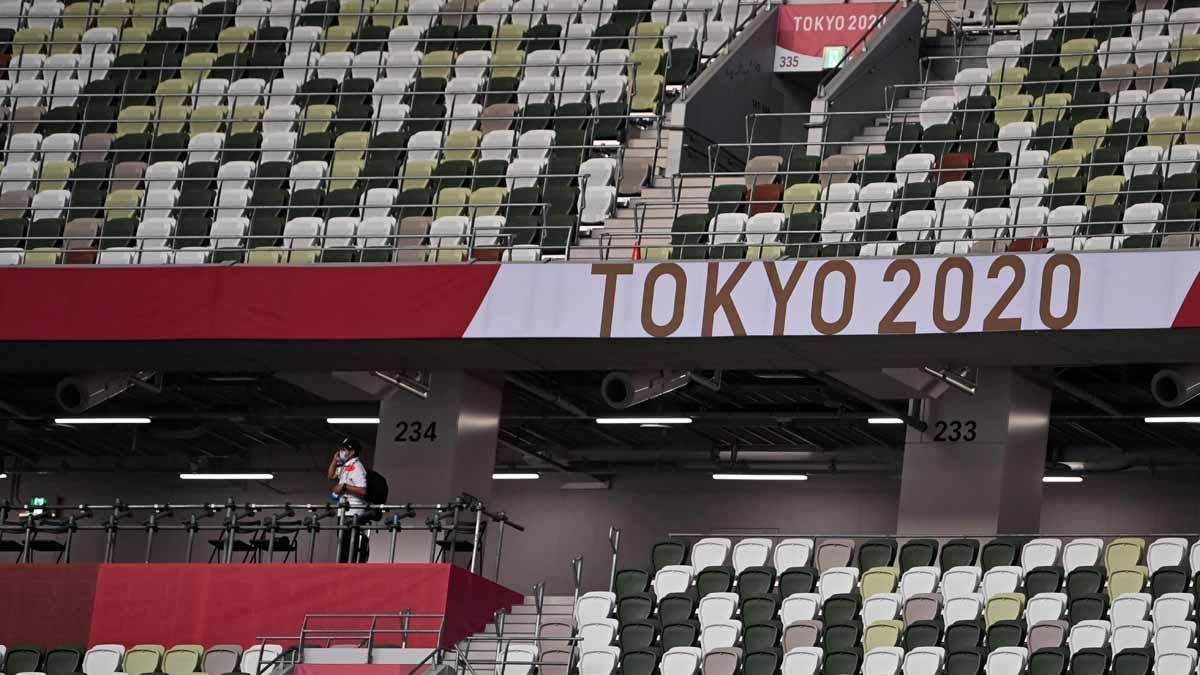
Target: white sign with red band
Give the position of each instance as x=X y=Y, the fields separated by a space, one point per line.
x=885 y=296
x=804 y=31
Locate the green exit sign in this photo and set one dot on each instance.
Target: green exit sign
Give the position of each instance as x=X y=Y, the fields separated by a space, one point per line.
x=832 y=57
x=38 y=501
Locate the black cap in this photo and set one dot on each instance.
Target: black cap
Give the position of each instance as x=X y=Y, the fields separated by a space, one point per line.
x=352 y=444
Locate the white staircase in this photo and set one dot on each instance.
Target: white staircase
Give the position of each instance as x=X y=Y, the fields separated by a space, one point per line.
x=906 y=109
x=519 y=624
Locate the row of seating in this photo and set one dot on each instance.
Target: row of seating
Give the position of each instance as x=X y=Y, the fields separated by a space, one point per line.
x=142 y=659
x=1122 y=553
x=1008 y=12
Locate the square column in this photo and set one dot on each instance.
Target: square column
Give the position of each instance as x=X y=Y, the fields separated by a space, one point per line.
x=978 y=468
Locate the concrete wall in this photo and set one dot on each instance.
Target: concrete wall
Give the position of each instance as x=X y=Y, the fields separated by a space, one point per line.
x=563 y=524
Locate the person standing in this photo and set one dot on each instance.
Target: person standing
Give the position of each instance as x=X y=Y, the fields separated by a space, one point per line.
x=348 y=470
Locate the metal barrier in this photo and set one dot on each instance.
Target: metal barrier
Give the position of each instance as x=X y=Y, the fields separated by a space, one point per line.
x=271 y=528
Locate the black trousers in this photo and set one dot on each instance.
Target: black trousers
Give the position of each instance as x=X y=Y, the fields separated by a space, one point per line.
x=355 y=538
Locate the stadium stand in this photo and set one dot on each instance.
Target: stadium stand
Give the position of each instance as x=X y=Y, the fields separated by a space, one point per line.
x=141 y=659
x=1010 y=605
x=262 y=132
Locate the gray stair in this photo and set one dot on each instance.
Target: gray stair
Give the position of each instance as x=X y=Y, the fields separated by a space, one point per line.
x=518 y=623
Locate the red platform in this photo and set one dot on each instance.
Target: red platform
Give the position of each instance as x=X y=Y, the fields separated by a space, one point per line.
x=211 y=604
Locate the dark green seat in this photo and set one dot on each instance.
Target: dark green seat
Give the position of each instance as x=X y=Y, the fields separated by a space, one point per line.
x=991 y=166
x=1000 y=552
x=610 y=35
x=489 y=173
x=116 y=232
x=637 y=635
x=1049 y=661
x=630 y=12
x=761 y=636
x=1143 y=189
x=63 y=661
x=688 y=234
x=759 y=608
x=1047 y=579
x=1090 y=662
x=918 y=552
x=877 y=168
x=684 y=63
x=990 y=194
x=12 y=232
x=876 y=552
x=1085 y=581
x=972 y=112
x=963 y=635
x=1180 y=188
x=439 y=38
x=800 y=241
x=1105 y=161
x=413 y=202
x=611 y=121
x=169 y=148
x=1128 y=133
x=342 y=203
x=303 y=204
x=841 y=608
x=755 y=581
x=631 y=581
x=676 y=608
x=902 y=138
x=1131 y=661
x=844 y=635
x=940 y=139
x=842 y=662
x=980 y=139
x=1111 y=18
x=473 y=37
x=635 y=607
x=1066 y=191
x=965 y=661
x=917 y=197
x=1185 y=75
x=1086 y=105
x=23 y=659
x=1088 y=607
x=679 y=635
x=927 y=633
x=761 y=662
x=714 y=580
x=801 y=169
x=1052 y=136
x=639 y=661
x=798 y=579
x=726 y=199
x=1005 y=634
x=535 y=117
x=545 y=36
x=191 y=231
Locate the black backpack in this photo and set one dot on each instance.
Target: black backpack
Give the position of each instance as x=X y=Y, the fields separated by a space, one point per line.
x=377 y=488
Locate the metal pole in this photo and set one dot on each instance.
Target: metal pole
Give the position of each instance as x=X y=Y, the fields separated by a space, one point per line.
x=395 y=535
x=340 y=532
x=500 y=546
x=614 y=543
x=70 y=538
x=151 y=526
x=475 y=538
x=25 y=553
x=453 y=533
x=539 y=601
x=405 y=622
x=192 y=525
x=577 y=571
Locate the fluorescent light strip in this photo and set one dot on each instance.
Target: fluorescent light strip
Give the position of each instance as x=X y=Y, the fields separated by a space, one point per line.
x=643 y=420
x=226 y=476
x=1062 y=479
x=759 y=476
x=516 y=476
x=1173 y=420
x=884 y=420
x=102 y=420
x=352 y=420
x=3 y=475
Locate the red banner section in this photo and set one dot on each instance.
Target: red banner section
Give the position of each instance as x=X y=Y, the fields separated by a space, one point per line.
x=804 y=32
x=249 y=303
x=167 y=604
x=46 y=605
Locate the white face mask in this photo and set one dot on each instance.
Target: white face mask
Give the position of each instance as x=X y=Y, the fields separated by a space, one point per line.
x=343 y=456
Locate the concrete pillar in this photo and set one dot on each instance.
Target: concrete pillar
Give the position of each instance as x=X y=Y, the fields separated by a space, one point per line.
x=435 y=449
x=978 y=468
